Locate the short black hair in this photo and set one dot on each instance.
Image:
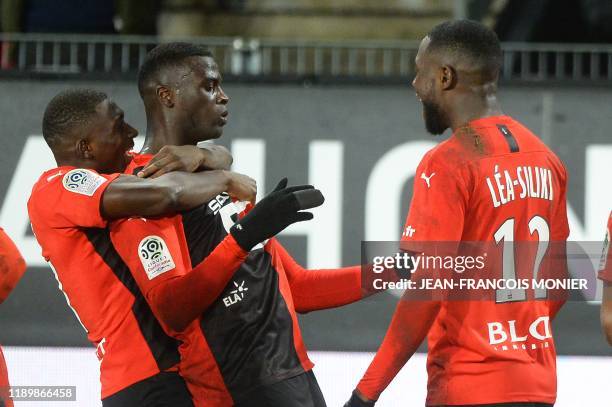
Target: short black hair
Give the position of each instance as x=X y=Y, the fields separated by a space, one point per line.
x=67 y=110
x=469 y=39
x=165 y=56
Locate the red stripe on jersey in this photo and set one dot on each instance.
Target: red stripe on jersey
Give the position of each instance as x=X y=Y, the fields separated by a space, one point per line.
x=201 y=372
x=283 y=285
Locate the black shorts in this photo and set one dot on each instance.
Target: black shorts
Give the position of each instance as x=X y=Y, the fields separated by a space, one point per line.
x=165 y=389
x=298 y=391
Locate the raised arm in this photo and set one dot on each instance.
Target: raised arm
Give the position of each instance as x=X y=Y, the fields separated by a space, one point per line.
x=177 y=294
x=12 y=265
x=130 y=196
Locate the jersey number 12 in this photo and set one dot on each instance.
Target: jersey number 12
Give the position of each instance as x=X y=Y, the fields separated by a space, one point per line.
x=505 y=233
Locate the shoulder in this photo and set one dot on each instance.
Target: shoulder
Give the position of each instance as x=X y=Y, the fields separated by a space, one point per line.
x=48 y=184
x=446 y=155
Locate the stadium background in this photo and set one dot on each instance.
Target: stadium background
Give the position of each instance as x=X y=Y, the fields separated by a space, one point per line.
x=357 y=135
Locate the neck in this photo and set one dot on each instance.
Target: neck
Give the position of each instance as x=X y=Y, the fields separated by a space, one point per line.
x=161 y=131
x=88 y=164
x=67 y=158
x=477 y=103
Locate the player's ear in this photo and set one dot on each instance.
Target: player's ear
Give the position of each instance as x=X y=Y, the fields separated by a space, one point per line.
x=447 y=77
x=84 y=149
x=165 y=95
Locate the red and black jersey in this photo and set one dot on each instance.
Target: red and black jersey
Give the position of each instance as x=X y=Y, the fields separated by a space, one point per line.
x=249 y=336
x=64 y=209
x=605 y=266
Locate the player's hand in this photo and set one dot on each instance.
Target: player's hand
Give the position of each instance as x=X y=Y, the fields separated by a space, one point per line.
x=279 y=209
x=175 y=158
x=241 y=187
x=359 y=400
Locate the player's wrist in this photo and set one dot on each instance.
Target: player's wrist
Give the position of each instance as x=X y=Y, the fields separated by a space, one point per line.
x=235 y=247
x=359 y=400
x=205 y=158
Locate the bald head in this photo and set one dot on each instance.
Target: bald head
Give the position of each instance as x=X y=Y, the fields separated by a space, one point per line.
x=468 y=46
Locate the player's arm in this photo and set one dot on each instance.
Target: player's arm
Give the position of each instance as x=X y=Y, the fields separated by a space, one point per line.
x=436 y=214
x=12 y=265
x=170 y=193
x=176 y=293
x=410 y=323
x=606 y=311
x=188 y=158
x=178 y=298
x=319 y=289
x=605 y=274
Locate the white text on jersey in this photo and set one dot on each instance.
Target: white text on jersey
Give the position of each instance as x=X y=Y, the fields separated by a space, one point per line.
x=529 y=182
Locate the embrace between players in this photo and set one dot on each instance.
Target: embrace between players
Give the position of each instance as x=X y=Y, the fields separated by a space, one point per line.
x=176 y=276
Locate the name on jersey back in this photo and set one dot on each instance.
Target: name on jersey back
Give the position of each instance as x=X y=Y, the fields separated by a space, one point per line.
x=519 y=183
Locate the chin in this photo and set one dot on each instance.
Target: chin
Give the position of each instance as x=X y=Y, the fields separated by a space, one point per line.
x=435 y=129
x=434 y=118
x=211 y=134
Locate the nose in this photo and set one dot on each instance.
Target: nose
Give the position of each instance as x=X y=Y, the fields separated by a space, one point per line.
x=414 y=82
x=222 y=98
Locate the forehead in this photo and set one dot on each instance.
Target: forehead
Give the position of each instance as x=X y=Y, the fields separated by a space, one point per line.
x=202 y=67
x=108 y=110
x=422 y=54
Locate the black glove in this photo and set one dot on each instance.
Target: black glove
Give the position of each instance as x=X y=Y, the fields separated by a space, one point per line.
x=356 y=401
x=279 y=209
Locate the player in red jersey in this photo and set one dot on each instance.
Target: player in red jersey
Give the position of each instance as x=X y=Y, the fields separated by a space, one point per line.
x=605 y=274
x=492 y=180
x=249 y=350
x=12 y=267
x=69 y=209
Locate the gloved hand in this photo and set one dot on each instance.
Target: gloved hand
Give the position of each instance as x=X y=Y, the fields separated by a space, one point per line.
x=279 y=209
x=356 y=401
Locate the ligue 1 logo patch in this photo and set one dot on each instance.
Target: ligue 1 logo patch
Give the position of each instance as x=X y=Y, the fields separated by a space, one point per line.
x=82 y=181
x=155 y=256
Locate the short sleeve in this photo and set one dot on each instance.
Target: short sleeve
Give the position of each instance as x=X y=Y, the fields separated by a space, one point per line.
x=151 y=248
x=74 y=199
x=438 y=206
x=605 y=265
